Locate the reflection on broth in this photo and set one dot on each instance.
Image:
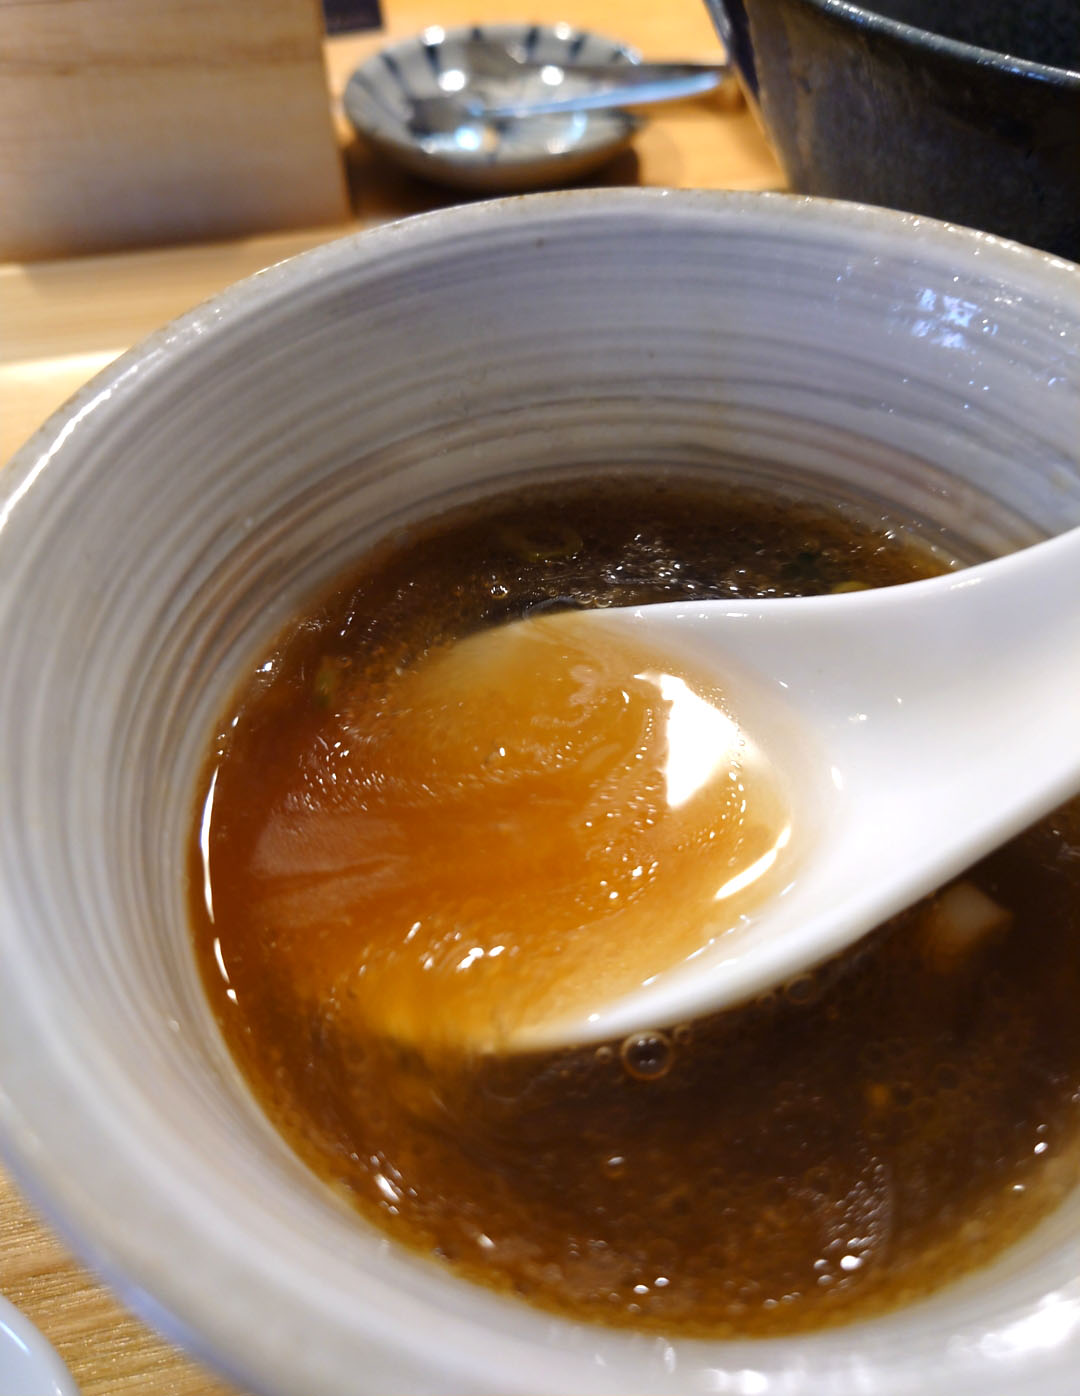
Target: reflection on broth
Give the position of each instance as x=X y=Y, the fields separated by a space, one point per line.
x=406 y=836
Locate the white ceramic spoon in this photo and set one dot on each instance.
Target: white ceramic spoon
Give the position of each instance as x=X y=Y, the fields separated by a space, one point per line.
x=939 y=718
x=613 y=86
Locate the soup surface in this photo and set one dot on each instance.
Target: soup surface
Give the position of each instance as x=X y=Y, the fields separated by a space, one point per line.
x=365 y=842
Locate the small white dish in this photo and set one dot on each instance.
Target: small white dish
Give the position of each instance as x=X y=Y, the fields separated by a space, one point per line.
x=29 y=1365
x=510 y=154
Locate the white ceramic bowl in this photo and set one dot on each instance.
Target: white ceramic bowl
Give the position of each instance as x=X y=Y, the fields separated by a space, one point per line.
x=178 y=510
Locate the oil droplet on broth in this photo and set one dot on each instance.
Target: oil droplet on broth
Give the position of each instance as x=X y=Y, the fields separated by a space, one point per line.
x=522 y=825
x=646 y=1056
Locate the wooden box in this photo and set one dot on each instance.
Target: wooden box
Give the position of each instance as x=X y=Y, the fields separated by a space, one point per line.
x=129 y=122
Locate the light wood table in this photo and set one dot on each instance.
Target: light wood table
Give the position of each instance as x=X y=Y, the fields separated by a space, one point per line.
x=62 y=321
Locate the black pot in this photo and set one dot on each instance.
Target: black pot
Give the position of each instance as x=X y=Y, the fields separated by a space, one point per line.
x=965 y=111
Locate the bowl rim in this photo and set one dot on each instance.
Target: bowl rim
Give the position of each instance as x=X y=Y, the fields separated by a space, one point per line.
x=80 y=1206
x=276 y=280
x=915 y=35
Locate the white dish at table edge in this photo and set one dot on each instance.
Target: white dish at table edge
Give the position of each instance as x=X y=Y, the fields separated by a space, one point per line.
x=29 y=1364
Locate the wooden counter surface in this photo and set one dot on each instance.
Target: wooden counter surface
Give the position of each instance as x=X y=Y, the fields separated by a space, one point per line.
x=60 y=322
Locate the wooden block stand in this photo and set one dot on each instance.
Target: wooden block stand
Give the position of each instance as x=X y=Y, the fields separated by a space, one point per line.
x=133 y=122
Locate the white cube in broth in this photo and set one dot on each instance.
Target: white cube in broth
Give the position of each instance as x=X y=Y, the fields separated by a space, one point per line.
x=960 y=918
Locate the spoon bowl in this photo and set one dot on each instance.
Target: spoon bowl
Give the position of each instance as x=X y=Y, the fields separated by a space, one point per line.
x=935 y=720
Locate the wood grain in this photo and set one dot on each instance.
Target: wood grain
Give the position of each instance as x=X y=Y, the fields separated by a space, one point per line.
x=109 y=1352
x=124 y=123
x=60 y=321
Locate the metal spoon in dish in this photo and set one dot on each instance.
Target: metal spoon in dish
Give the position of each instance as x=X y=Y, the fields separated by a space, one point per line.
x=615 y=86
x=932 y=721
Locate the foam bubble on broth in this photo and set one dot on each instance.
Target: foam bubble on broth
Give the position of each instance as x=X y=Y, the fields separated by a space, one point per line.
x=846 y=1143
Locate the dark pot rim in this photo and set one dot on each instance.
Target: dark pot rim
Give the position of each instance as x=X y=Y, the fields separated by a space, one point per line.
x=969 y=53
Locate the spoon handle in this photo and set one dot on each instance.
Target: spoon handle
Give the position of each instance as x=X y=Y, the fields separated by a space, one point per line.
x=629 y=85
x=633 y=74
x=950 y=705
x=919 y=727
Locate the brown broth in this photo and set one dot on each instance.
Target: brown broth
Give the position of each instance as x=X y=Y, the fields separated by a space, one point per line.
x=848 y=1143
